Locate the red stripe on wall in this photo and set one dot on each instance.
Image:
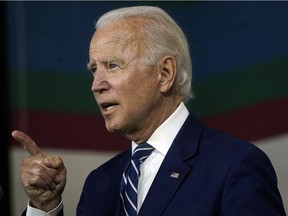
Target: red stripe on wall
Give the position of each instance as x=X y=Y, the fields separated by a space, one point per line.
x=67 y=130
x=80 y=131
x=253 y=122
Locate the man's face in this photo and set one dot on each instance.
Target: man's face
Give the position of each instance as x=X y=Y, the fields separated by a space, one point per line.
x=126 y=91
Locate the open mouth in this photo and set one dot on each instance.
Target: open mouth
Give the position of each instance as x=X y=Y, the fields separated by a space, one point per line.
x=108 y=107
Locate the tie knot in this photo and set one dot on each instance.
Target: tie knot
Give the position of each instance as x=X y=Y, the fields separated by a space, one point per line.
x=142 y=151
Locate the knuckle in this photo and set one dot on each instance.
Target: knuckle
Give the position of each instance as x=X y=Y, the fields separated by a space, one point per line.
x=58 y=159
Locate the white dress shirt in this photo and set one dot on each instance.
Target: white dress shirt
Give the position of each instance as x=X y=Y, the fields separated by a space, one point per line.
x=161 y=140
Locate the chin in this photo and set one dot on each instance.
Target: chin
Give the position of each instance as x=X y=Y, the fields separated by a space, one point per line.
x=116 y=126
x=112 y=128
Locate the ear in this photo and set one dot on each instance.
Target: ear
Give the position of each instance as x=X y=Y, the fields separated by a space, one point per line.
x=167 y=73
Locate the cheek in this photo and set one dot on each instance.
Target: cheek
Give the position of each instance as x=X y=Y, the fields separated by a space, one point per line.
x=137 y=95
x=142 y=84
x=138 y=89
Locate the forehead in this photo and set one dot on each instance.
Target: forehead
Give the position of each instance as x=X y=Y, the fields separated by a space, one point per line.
x=121 y=35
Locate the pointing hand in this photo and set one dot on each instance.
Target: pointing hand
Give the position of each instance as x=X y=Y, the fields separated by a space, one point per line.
x=42 y=176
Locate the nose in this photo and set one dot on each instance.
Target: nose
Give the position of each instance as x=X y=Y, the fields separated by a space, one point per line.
x=99 y=83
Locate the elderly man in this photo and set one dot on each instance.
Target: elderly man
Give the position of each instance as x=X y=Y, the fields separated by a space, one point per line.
x=140 y=62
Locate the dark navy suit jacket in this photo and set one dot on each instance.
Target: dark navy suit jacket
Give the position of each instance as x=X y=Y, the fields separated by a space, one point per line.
x=218 y=175
x=212 y=174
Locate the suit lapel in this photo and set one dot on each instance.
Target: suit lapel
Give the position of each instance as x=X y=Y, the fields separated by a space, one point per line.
x=115 y=176
x=163 y=188
x=174 y=168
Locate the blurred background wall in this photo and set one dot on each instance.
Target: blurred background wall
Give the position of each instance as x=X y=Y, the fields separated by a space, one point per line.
x=240 y=75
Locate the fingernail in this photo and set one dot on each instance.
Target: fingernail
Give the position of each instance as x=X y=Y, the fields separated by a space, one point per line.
x=57 y=178
x=53 y=186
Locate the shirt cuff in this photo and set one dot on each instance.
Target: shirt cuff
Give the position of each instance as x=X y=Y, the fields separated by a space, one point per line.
x=37 y=212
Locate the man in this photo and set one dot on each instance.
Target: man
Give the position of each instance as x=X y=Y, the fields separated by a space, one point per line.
x=141 y=66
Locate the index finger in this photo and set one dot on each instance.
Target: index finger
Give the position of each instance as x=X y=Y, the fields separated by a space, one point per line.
x=27 y=143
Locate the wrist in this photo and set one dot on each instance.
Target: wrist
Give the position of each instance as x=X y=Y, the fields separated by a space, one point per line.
x=46 y=206
x=34 y=211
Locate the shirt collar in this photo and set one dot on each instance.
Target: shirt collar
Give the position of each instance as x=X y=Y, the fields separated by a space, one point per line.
x=164 y=135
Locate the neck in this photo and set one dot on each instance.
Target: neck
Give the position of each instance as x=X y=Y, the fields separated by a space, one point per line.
x=155 y=120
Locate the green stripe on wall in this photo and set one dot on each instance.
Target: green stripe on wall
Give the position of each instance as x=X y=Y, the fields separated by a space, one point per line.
x=241 y=88
x=216 y=94
x=52 y=92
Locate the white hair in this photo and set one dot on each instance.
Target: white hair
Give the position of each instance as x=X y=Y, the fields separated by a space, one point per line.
x=164 y=37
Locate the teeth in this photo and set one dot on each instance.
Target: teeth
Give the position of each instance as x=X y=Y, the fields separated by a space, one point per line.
x=109 y=107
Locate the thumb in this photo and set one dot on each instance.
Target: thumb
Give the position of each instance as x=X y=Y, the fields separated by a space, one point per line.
x=27 y=143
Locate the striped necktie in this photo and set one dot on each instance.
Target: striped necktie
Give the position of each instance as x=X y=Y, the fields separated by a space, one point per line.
x=130 y=179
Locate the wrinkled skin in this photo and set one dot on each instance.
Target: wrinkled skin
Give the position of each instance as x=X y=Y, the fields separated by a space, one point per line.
x=42 y=176
x=134 y=98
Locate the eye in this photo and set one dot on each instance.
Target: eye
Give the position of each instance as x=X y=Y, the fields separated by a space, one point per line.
x=111 y=65
x=93 y=70
x=92 y=67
